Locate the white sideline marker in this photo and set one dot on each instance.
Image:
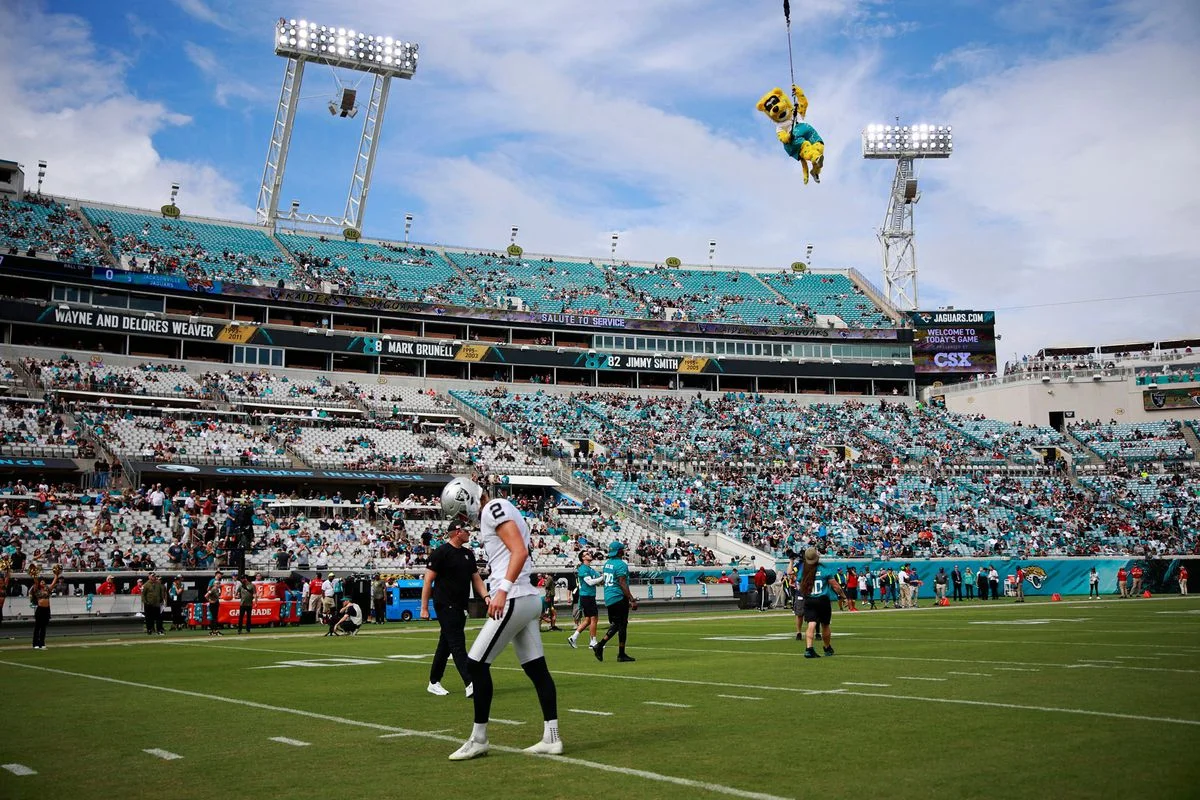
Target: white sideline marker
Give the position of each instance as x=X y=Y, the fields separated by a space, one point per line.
x=668 y=705
x=738 y=697
x=292 y=742
x=876 y=685
x=917 y=678
x=1016 y=669
x=165 y=755
x=972 y=674
x=593 y=713
x=20 y=770
x=506 y=721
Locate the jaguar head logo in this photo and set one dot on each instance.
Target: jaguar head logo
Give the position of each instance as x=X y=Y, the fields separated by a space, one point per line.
x=1035 y=575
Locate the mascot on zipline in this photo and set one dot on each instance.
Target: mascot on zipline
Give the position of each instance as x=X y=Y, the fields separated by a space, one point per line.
x=800 y=140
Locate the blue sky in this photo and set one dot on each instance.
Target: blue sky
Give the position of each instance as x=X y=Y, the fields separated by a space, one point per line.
x=1071 y=179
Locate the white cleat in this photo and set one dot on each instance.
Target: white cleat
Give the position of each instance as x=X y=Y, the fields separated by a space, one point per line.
x=470 y=749
x=470 y=689
x=438 y=689
x=571 y=641
x=546 y=748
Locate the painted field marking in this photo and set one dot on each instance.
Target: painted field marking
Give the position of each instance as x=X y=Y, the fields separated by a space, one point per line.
x=874 y=685
x=1095 y=661
x=499 y=721
x=668 y=705
x=1016 y=669
x=413 y=733
x=738 y=697
x=918 y=678
x=292 y=742
x=588 y=711
x=410 y=658
x=1138 y=658
x=972 y=674
x=165 y=755
x=19 y=770
x=657 y=777
x=321 y=662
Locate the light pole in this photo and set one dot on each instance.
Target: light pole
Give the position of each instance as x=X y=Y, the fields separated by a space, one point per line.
x=903 y=144
x=174 y=192
x=408 y=219
x=41 y=175
x=614 y=248
x=712 y=250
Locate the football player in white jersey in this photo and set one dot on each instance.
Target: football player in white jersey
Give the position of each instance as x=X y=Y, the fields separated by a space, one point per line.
x=513 y=613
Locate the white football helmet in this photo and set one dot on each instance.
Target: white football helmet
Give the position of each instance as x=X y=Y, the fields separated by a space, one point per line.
x=460 y=499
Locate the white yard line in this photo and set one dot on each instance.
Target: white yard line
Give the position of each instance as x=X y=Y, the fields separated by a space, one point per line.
x=972 y=674
x=918 y=678
x=874 y=685
x=500 y=721
x=1017 y=669
x=597 y=766
x=667 y=705
x=593 y=713
x=165 y=755
x=20 y=770
x=738 y=697
x=292 y=742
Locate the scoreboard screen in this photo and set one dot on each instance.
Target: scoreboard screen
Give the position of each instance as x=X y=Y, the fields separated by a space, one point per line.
x=954 y=341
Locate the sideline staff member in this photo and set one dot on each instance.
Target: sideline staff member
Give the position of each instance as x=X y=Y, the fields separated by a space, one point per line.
x=815 y=589
x=450 y=572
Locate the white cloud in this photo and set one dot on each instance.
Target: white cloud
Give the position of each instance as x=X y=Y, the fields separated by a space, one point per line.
x=226 y=84
x=203 y=12
x=1072 y=179
x=95 y=134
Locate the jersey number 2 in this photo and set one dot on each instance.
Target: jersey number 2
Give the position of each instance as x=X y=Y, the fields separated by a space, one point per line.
x=497 y=510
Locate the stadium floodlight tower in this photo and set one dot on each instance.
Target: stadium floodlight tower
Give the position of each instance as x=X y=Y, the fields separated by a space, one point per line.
x=903 y=144
x=302 y=42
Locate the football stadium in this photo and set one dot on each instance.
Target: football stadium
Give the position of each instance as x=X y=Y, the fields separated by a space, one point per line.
x=765 y=530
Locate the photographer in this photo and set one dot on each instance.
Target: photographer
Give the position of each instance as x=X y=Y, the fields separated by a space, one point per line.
x=349 y=619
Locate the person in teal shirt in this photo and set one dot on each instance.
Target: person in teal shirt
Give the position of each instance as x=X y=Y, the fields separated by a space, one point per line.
x=619 y=601
x=587 y=578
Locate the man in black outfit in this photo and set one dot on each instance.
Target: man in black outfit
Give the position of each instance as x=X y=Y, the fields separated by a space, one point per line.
x=450 y=573
x=956 y=578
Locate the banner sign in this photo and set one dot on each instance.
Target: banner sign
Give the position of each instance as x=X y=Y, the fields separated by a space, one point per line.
x=1043 y=576
x=271 y=294
x=12 y=463
x=1170 y=399
x=132 y=323
x=148 y=469
x=265 y=612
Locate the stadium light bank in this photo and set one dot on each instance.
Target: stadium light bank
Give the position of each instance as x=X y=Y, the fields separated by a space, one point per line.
x=903 y=144
x=303 y=42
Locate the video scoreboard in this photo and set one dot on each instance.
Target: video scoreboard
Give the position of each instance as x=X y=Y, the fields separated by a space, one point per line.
x=948 y=342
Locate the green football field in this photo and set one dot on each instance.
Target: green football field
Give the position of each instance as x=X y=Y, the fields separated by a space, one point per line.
x=1075 y=699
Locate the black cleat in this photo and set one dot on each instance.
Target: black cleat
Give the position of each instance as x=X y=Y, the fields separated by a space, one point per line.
x=624 y=658
x=598 y=652
x=828 y=651
x=810 y=653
